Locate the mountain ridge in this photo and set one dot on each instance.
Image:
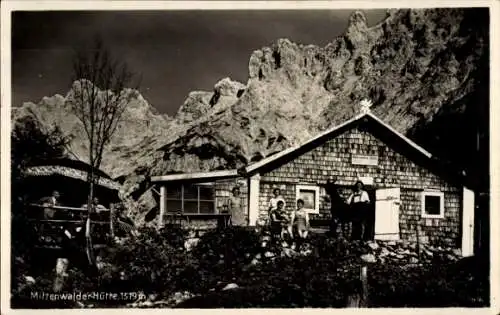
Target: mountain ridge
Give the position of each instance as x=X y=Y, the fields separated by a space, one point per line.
x=421 y=69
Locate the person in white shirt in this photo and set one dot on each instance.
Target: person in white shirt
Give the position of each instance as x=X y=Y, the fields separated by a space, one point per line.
x=97 y=206
x=358 y=201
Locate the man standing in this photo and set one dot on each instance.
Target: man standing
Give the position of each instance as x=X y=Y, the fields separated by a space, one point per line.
x=359 y=201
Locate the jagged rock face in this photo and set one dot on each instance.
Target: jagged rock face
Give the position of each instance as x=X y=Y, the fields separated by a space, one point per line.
x=416 y=66
x=199 y=103
x=410 y=65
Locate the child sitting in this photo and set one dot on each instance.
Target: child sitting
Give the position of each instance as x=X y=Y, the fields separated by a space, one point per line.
x=284 y=222
x=276 y=218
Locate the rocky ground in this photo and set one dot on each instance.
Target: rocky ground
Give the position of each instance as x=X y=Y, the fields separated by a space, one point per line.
x=400 y=254
x=168 y=271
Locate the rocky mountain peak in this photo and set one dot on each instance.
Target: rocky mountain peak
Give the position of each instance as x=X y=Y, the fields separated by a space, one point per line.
x=139 y=122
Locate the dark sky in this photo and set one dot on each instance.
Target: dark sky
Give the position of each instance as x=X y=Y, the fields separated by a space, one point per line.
x=175 y=51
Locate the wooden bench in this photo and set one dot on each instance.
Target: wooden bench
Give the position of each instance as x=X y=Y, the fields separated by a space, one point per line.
x=320 y=223
x=223 y=219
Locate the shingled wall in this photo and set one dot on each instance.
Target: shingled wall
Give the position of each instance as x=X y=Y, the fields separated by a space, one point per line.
x=333 y=158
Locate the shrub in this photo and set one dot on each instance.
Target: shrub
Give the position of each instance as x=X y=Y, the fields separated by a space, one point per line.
x=438 y=285
x=235 y=245
x=285 y=282
x=150 y=263
x=220 y=256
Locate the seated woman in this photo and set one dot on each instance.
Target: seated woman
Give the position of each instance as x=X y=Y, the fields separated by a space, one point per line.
x=279 y=221
x=273 y=202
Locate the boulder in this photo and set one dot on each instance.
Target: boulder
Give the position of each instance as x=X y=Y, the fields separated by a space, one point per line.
x=306 y=252
x=288 y=252
x=405 y=252
x=368 y=258
x=391 y=243
x=373 y=246
x=230 y=286
x=269 y=254
x=451 y=257
x=428 y=253
x=384 y=252
x=191 y=243
x=29 y=280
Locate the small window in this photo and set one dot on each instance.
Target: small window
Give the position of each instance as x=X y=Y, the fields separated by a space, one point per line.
x=432 y=204
x=310 y=195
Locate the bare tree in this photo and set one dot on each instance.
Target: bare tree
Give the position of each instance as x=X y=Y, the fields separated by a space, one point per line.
x=99 y=98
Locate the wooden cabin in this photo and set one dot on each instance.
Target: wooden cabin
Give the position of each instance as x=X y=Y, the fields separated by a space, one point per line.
x=413 y=194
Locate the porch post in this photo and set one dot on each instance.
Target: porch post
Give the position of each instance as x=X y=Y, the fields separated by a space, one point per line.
x=253 y=199
x=467 y=222
x=162 y=206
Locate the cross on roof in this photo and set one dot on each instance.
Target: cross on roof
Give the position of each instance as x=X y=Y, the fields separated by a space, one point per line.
x=365 y=106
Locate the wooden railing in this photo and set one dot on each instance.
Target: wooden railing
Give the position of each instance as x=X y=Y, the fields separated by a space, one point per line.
x=50 y=231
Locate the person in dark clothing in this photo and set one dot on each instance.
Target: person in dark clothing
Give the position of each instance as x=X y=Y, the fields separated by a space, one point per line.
x=338 y=209
x=276 y=218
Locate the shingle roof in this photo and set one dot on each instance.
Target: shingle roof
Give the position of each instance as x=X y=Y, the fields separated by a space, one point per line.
x=255 y=166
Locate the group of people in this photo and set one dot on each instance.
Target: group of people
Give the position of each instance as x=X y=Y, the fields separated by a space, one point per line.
x=281 y=221
x=351 y=215
x=50 y=202
x=285 y=224
x=353 y=212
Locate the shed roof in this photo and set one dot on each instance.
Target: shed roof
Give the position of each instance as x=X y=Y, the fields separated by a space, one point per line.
x=70 y=163
x=57 y=170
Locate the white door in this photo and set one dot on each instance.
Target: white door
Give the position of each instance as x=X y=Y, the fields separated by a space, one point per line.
x=387 y=214
x=468 y=223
